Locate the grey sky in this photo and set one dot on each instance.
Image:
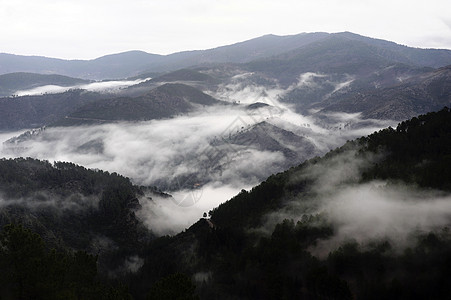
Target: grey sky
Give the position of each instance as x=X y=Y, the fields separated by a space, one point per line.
x=86 y=29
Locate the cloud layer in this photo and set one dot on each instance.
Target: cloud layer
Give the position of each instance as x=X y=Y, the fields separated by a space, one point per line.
x=195 y=153
x=366 y=212
x=100 y=86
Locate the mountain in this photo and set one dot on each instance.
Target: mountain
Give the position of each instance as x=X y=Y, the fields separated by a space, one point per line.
x=396 y=92
x=183 y=75
x=242 y=52
x=132 y=63
x=434 y=58
x=240 y=146
x=275 y=240
x=113 y=66
x=345 y=54
x=424 y=138
x=77 y=107
x=192 y=77
x=418 y=94
x=36 y=111
x=340 y=72
x=13 y=82
x=119 y=65
x=268 y=137
x=165 y=101
x=265 y=50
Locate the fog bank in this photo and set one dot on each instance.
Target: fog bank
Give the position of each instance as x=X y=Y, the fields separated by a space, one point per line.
x=100 y=86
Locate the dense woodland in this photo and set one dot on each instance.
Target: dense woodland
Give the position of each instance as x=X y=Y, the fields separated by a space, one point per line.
x=225 y=257
x=72 y=207
x=67 y=232
x=237 y=262
x=30 y=270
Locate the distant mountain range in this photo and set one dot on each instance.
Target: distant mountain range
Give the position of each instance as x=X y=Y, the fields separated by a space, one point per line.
x=394 y=92
x=258 y=50
x=340 y=72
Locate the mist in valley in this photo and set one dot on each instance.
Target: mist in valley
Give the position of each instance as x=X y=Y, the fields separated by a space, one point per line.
x=361 y=212
x=106 y=86
x=199 y=158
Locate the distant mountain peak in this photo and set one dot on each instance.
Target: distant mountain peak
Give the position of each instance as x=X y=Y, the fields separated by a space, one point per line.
x=135 y=62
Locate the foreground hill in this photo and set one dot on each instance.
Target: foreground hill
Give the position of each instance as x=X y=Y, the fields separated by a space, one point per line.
x=247 y=250
x=74 y=208
x=368 y=220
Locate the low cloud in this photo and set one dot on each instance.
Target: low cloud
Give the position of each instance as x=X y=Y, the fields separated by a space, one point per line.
x=195 y=150
x=100 y=86
x=131 y=264
x=44 y=200
x=366 y=212
x=171 y=215
x=325 y=130
x=308 y=80
x=377 y=211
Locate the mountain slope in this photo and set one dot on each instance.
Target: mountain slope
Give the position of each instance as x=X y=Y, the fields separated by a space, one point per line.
x=418 y=94
x=13 y=82
x=164 y=101
x=183 y=75
x=262 y=142
x=335 y=54
x=434 y=58
x=426 y=138
x=246 y=250
x=72 y=207
x=368 y=220
x=113 y=66
x=267 y=137
x=36 y=111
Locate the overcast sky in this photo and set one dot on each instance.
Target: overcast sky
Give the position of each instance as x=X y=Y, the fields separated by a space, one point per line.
x=86 y=29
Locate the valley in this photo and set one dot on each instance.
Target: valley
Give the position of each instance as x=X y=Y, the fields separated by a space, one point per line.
x=254 y=170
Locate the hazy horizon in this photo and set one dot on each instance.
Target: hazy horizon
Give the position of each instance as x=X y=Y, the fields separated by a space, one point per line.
x=214 y=47
x=87 y=30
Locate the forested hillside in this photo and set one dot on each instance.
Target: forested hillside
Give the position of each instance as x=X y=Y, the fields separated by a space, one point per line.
x=31 y=270
x=72 y=207
x=369 y=220
x=13 y=82
x=275 y=241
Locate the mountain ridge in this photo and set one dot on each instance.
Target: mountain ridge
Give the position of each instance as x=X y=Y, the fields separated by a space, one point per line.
x=136 y=61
